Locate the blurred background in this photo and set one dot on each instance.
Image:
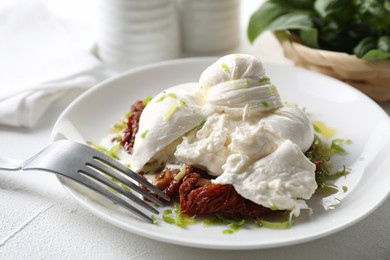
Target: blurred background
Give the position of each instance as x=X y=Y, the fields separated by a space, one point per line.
x=92 y=22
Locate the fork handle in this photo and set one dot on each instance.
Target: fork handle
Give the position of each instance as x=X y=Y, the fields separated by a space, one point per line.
x=9 y=164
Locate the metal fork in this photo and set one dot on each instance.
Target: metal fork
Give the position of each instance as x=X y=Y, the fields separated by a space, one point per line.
x=94 y=170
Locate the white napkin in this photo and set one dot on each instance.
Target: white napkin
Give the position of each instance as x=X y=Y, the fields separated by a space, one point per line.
x=40 y=61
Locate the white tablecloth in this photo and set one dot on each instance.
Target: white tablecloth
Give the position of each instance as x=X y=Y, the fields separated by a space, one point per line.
x=39 y=220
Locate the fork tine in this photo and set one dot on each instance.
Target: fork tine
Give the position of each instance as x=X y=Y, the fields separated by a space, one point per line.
x=111 y=196
x=120 y=167
x=113 y=174
x=100 y=178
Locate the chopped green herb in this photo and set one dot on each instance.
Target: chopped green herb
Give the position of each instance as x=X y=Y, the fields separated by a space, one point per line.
x=165 y=95
x=176 y=218
x=271 y=90
x=345 y=188
x=320 y=153
x=265 y=103
x=118 y=127
x=198 y=127
x=181 y=174
x=211 y=222
x=143 y=135
x=316 y=128
x=171 y=110
x=225 y=67
x=233 y=227
x=182 y=102
x=337 y=145
x=127 y=115
x=240 y=84
x=326 y=189
x=146 y=100
x=172 y=95
x=154 y=220
x=182 y=220
x=111 y=152
x=119 y=183
x=273 y=224
x=244 y=84
x=264 y=79
x=322 y=129
x=233 y=224
x=167 y=216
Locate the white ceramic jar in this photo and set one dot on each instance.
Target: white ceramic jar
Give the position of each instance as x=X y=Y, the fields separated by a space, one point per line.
x=137 y=32
x=209 y=25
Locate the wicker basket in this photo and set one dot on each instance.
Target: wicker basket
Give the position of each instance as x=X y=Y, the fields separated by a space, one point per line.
x=370 y=77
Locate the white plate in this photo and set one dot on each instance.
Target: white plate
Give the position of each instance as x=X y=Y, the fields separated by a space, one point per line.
x=353 y=114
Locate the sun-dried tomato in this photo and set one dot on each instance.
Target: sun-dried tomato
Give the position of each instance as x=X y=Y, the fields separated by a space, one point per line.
x=199 y=196
x=128 y=135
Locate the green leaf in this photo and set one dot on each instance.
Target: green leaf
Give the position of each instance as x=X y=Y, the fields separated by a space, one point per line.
x=372 y=49
x=309 y=37
x=386 y=5
x=384 y=43
x=301 y=4
x=263 y=17
x=326 y=8
x=375 y=15
x=335 y=12
x=294 y=20
x=372 y=7
x=375 y=55
x=365 y=46
x=295 y=4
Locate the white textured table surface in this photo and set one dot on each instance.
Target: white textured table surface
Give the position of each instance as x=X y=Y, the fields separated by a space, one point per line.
x=39 y=220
